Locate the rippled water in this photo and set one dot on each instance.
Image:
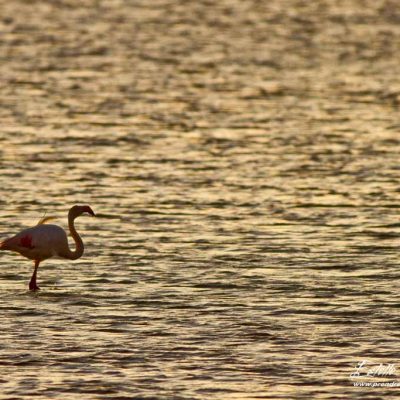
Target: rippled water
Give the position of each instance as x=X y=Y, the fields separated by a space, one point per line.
x=243 y=160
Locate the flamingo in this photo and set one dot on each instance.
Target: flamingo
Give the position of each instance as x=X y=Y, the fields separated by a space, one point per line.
x=46 y=240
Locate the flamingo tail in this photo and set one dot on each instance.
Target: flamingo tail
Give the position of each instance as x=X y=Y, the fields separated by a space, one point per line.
x=4 y=245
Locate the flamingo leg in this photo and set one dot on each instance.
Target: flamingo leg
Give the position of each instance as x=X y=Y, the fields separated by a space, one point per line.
x=32 y=284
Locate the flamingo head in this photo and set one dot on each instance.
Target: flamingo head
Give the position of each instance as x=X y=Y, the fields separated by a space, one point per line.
x=76 y=211
x=88 y=210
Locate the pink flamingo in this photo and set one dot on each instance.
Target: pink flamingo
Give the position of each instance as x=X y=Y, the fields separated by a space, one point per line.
x=45 y=240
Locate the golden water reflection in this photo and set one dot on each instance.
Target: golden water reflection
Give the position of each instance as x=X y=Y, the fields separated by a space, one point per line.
x=242 y=158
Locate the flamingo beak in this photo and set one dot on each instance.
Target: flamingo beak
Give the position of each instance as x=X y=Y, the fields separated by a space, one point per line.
x=89 y=211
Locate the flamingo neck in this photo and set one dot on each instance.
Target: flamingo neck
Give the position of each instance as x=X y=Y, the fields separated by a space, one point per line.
x=73 y=255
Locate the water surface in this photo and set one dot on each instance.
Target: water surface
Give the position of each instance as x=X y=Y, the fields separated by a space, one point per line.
x=242 y=158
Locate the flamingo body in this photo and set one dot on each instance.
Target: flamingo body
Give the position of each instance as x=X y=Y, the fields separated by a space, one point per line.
x=44 y=241
x=39 y=242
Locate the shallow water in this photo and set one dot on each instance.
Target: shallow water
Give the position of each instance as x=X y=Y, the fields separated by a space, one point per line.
x=243 y=160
